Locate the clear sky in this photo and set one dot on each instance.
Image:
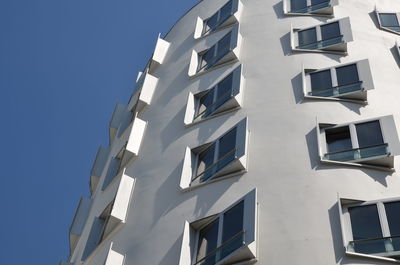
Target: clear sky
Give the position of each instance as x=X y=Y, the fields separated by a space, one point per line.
x=64 y=64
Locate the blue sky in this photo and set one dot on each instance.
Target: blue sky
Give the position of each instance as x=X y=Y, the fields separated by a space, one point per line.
x=64 y=64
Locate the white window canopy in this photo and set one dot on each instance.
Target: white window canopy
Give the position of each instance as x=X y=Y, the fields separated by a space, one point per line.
x=114 y=214
x=98 y=167
x=144 y=90
x=221 y=158
x=225 y=51
x=227 y=237
x=371 y=143
x=225 y=95
x=322 y=8
x=346 y=82
x=388 y=21
x=79 y=221
x=226 y=16
x=159 y=55
x=371 y=229
x=330 y=37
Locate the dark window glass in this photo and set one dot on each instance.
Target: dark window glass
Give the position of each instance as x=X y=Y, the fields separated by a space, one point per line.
x=393 y=217
x=389 y=20
x=225 y=12
x=211 y=22
x=206 y=159
x=206 y=101
x=369 y=134
x=224 y=45
x=232 y=226
x=207 y=57
x=225 y=86
x=347 y=75
x=365 y=224
x=227 y=143
x=321 y=80
x=316 y=2
x=208 y=240
x=338 y=139
x=307 y=36
x=298 y=4
x=330 y=31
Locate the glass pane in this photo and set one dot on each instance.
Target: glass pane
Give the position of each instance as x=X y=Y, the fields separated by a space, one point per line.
x=206 y=159
x=393 y=217
x=298 y=4
x=316 y=2
x=389 y=20
x=225 y=86
x=347 y=75
x=227 y=143
x=330 y=31
x=307 y=36
x=208 y=240
x=207 y=57
x=211 y=22
x=321 y=80
x=369 y=134
x=205 y=101
x=225 y=12
x=224 y=45
x=338 y=139
x=232 y=226
x=365 y=225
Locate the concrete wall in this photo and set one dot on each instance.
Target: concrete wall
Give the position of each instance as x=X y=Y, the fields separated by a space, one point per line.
x=297 y=195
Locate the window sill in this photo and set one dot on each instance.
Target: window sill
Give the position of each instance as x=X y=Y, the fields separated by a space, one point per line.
x=223 y=177
x=309 y=15
x=215 y=66
x=353 y=164
x=343 y=53
x=361 y=102
x=372 y=257
x=193 y=123
x=389 y=30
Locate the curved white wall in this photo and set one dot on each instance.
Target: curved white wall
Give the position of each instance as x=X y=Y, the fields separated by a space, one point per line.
x=297 y=195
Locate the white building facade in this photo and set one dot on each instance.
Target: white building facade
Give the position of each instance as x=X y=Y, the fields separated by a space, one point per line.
x=260 y=132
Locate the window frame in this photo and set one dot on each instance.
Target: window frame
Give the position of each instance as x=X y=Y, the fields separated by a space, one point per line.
x=385 y=28
x=327 y=11
x=346 y=226
x=357 y=96
x=336 y=47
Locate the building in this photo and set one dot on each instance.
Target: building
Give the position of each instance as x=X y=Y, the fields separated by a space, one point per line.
x=260 y=132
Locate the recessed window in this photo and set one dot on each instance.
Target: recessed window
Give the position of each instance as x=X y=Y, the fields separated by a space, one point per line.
x=215 y=21
x=209 y=57
x=220 y=98
x=390 y=21
x=346 y=82
x=226 y=156
x=374 y=228
x=309 y=7
x=371 y=143
x=227 y=237
x=330 y=37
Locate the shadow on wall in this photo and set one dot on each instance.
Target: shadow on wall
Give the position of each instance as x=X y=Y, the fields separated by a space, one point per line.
x=374 y=19
x=336 y=231
x=297 y=85
x=172 y=255
x=312 y=145
x=396 y=55
x=285 y=43
x=278 y=8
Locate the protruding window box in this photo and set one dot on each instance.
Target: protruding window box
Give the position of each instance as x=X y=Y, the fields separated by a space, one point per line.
x=226 y=16
x=226 y=95
x=113 y=257
x=370 y=143
x=79 y=221
x=228 y=237
x=224 y=157
x=331 y=37
x=113 y=215
x=98 y=167
x=388 y=21
x=159 y=55
x=371 y=229
x=226 y=50
x=116 y=120
x=322 y=8
x=346 y=82
x=145 y=86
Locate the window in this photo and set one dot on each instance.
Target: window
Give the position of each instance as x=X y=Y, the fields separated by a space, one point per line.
x=389 y=21
x=372 y=142
x=219 y=98
x=310 y=7
x=224 y=51
x=227 y=15
x=227 y=237
x=330 y=37
x=344 y=82
x=374 y=227
x=223 y=157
